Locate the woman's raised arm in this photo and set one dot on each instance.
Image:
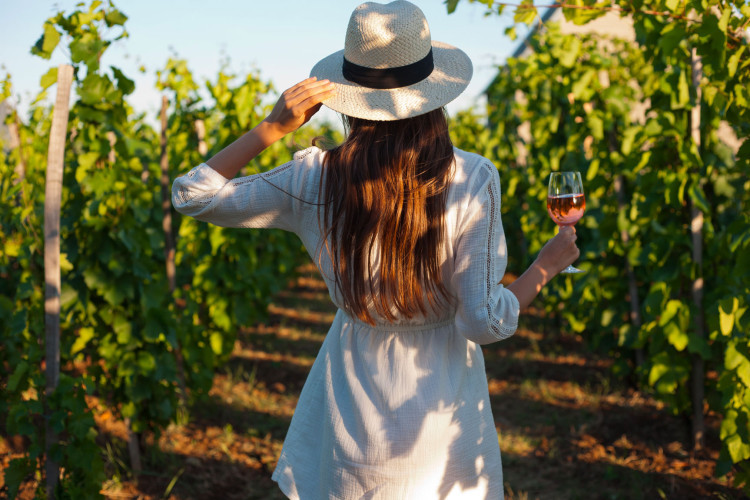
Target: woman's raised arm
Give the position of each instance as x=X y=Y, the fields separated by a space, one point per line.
x=294 y=108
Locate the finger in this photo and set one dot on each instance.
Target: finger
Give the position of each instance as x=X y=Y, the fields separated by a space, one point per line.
x=304 y=91
x=295 y=89
x=314 y=100
x=304 y=85
x=306 y=81
x=311 y=93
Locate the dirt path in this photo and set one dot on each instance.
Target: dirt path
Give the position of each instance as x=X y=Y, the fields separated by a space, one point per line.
x=565 y=432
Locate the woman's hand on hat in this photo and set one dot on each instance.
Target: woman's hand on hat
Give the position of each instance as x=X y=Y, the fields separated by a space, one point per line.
x=293 y=109
x=298 y=104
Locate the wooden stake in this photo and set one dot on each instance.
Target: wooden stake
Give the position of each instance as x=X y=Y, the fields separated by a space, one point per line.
x=696 y=233
x=635 y=304
x=169 y=245
x=14 y=128
x=52 y=281
x=134 y=450
x=112 y=139
x=200 y=130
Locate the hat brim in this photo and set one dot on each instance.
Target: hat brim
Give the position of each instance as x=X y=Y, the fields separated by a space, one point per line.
x=451 y=76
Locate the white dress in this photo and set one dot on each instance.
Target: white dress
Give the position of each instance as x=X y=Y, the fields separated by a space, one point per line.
x=394 y=411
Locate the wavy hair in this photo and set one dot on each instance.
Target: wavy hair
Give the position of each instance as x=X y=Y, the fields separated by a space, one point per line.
x=384 y=201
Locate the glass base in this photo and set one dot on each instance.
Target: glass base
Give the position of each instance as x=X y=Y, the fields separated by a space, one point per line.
x=571 y=270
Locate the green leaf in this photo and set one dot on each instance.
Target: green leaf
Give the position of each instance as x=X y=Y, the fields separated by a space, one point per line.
x=582 y=88
x=146 y=362
x=48 y=79
x=671 y=37
x=47 y=42
x=683 y=89
x=125 y=84
x=124 y=330
x=583 y=16
x=451 y=5
x=596 y=125
x=728 y=424
x=734 y=60
x=743 y=372
x=128 y=410
x=525 y=13
x=86 y=49
x=676 y=336
x=628 y=139
x=15 y=379
x=84 y=335
x=115 y=18
x=726 y=14
x=699 y=198
x=95 y=89
x=19 y=322
x=570 y=55
x=16 y=473
x=727 y=308
x=593 y=169
x=217 y=343
x=732 y=357
x=658 y=370
x=738 y=450
x=670 y=310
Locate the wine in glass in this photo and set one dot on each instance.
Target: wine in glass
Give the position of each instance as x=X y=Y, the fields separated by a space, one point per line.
x=565 y=202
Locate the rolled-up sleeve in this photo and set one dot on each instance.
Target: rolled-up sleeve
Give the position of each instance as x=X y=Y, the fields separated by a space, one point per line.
x=486 y=310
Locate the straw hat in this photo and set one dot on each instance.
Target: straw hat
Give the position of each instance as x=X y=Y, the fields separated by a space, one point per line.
x=390 y=68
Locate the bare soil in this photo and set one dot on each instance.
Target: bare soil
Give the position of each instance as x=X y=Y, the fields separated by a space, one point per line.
x=566 y=430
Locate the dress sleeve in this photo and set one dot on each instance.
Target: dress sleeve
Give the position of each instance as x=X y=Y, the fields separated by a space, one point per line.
x=487 y=311
x=265 y=200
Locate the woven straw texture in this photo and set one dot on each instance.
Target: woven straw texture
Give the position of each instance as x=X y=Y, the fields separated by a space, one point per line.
x=388 y=36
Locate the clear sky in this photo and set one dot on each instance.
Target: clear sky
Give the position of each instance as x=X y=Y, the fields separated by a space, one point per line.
x=281 y=38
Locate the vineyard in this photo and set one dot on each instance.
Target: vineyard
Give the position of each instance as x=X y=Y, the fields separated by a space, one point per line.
x=153 y=306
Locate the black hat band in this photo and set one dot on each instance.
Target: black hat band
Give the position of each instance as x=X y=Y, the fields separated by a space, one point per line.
x=389 y=78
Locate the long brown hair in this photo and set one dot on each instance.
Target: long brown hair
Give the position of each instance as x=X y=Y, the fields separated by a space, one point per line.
x=384 y=201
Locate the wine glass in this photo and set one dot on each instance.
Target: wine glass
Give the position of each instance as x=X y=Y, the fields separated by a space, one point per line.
x=565 y=202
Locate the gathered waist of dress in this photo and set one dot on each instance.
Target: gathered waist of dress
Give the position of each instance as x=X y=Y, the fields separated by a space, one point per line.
x=399 y=327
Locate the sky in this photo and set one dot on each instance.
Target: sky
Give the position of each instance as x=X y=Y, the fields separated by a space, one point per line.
x=282 y=39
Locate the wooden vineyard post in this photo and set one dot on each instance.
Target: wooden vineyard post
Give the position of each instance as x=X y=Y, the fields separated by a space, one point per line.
x=635 y=305
x=696 y=233
x=14 y=128
x=134 y=450
x=619 y=185
x=200 y=131
x=169 y=245
x=112 y=139
x=52 y=281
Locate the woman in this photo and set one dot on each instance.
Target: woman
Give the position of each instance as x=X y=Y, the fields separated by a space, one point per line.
x=406 y=232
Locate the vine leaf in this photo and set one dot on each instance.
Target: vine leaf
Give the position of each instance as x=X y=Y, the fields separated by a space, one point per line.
x=47 y=42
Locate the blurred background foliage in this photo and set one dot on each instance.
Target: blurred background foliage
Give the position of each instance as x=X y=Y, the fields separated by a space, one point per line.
x=665 y=238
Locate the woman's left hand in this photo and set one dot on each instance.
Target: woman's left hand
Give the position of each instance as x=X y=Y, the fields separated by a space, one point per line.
x=298 y=104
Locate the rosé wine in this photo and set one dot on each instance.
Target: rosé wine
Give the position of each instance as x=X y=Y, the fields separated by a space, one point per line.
x=566 y=209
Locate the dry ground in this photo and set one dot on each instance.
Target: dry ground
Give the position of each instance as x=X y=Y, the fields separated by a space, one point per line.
x=566 y=431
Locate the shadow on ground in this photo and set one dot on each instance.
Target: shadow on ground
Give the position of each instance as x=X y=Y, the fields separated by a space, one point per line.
x=566 y=431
